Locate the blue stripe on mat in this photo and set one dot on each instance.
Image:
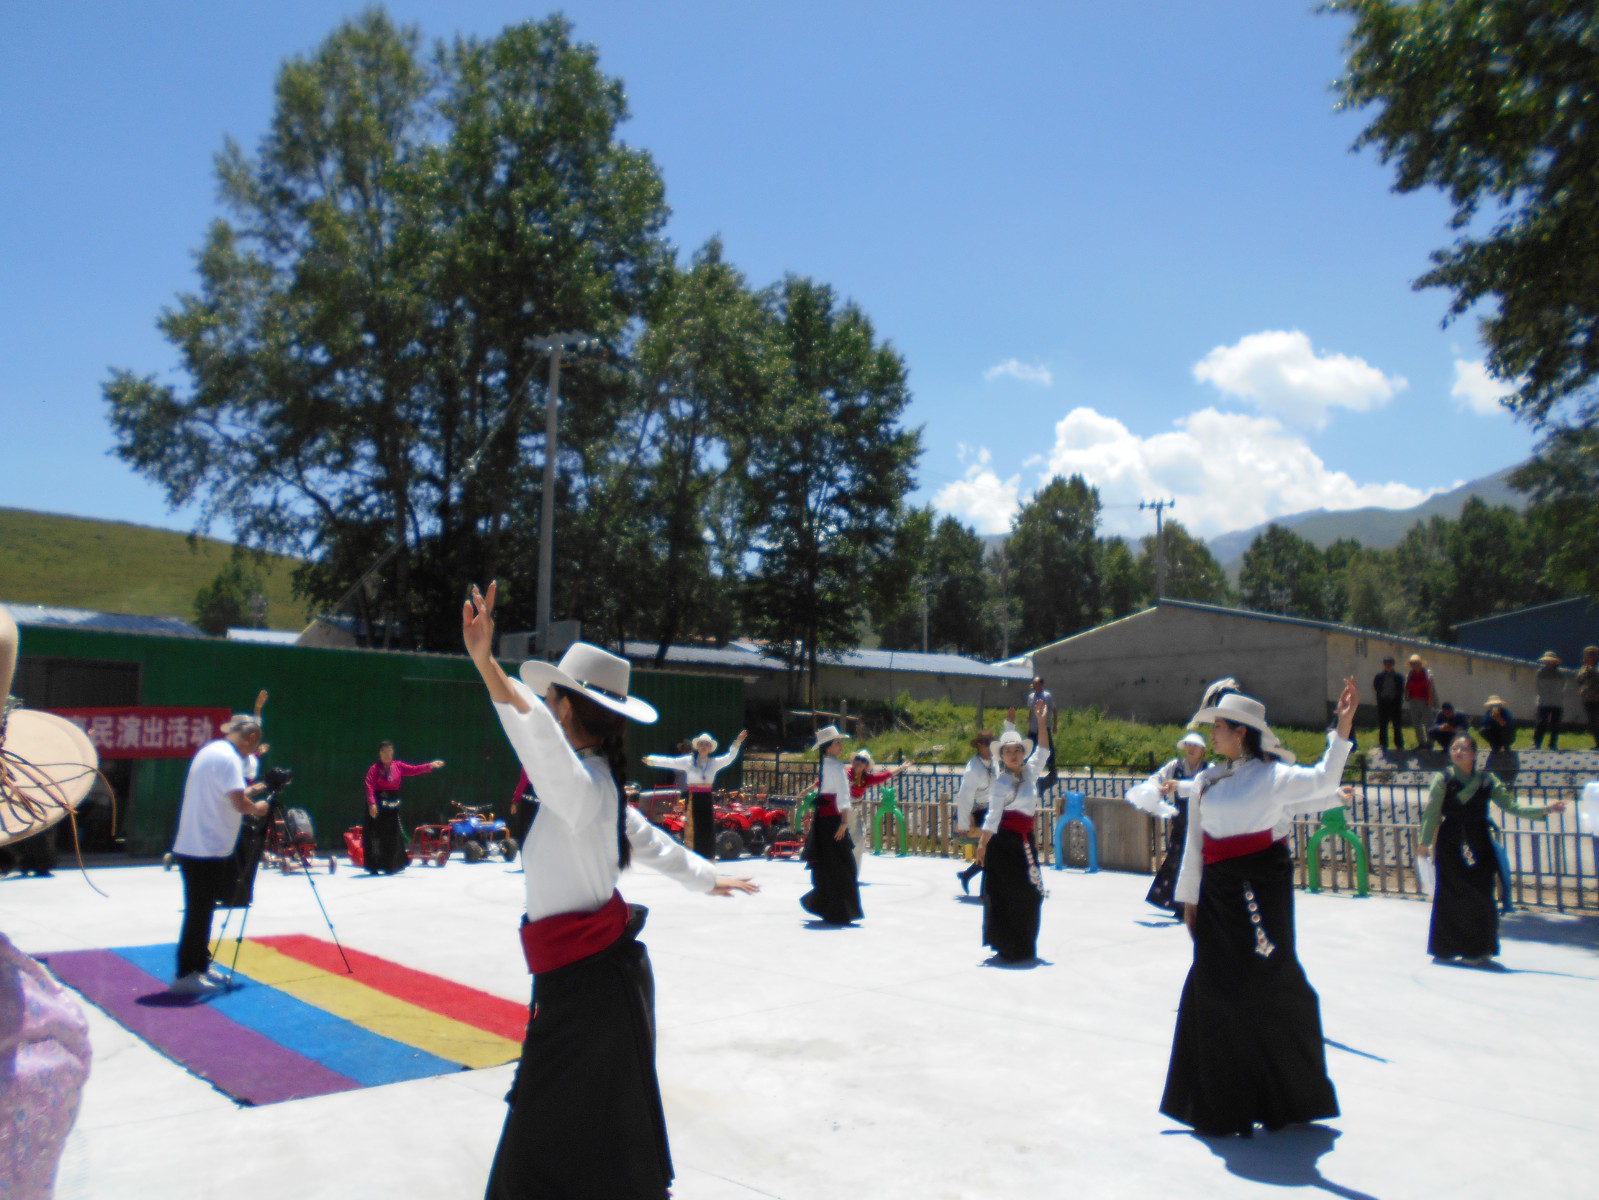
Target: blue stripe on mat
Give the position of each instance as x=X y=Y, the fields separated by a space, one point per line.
x=339 y=1045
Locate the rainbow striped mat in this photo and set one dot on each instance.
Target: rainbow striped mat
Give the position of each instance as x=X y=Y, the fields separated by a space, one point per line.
x=299 y=1025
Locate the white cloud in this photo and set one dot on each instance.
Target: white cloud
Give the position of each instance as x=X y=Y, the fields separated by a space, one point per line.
x=1476 y=391
x=982 y=497
x=1225 y=470
x=1280 y=372
x=1014 y=368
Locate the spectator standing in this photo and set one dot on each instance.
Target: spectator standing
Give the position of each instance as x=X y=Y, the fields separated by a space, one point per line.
x=1588 y=690
x=1388 y=687
x=1421 y=697
x=1497 y=726
x=1041 y=708
x=1445 y=726
x=1551 y=700
x=215 y=797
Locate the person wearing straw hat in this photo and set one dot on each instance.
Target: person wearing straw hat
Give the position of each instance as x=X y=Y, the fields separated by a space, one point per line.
x=1013 y=885
x=1457 y=834
x=1588 y=690
x=700 y=768
x=835 y=895
x=585 y=1114
x=47 y=766
x=1166 y=794
x=971 y=800
x=1248 y=1044
x=1497 y=725
x=1421 y=698
x=863 y=776
x=1551 y=700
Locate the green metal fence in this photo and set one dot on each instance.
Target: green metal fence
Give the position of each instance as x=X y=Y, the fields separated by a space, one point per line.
x=327 y=712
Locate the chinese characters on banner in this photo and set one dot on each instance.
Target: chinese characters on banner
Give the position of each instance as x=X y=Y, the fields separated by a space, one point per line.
x=147 y=731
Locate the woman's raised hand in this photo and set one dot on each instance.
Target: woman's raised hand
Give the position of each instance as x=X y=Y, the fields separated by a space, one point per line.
x=1348 y=701
x=477 y=622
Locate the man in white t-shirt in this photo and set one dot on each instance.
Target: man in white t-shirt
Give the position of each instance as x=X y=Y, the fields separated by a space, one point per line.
x=215 y=796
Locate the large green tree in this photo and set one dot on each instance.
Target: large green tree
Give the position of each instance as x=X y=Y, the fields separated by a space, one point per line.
x=362 y=322
x=826 y=477
x=1054 y=559
x=1494 y=102
x=935 y=573
x=1563 y=484
x=1192 y=572
x=1283 y=572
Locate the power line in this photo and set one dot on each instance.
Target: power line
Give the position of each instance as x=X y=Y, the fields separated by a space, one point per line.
x=1160 y=506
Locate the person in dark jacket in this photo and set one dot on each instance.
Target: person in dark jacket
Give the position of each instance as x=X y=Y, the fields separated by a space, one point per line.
x=1497 y=725
x=1388 y=687
x=1445 y=726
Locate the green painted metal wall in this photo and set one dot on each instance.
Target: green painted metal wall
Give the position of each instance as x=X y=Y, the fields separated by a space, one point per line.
x=330 y=708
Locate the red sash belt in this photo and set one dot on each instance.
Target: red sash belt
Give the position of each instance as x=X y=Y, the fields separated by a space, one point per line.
x=827 y=806
x=558 y=941
x=1017 y=822
x=1221 y=849
x=699 y=791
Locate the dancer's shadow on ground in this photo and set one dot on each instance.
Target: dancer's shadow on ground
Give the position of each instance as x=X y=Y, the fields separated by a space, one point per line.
x=817 y=923
x=977 y=900
x=1013 y=964
x=1552 y=930
x=1495 y=967
x=1289 y=1158
x=1159 y=924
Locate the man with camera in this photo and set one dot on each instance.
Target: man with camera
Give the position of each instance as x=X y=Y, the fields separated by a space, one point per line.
x=216 y=796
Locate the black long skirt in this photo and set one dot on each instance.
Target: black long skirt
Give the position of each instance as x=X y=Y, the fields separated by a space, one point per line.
x=1465 y=919
x=586 y=1118
x=704 y=815
x=1163 y=889
x=835 y=895
x=387 y=853
x=1248 y=1046
x=1012 y=904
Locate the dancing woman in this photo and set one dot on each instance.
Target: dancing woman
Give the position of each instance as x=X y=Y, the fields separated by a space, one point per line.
x=585 y=1107
x=383 y=843
x=1457 y=832
x=1166 y=794
x=700 y=769
x=1248 y=1045
x=863 y=777
x=835 y=895
x=1013 y=887
x=971 y=800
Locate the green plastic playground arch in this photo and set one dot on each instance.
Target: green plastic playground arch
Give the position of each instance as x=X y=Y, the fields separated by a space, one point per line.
x=1335 y=822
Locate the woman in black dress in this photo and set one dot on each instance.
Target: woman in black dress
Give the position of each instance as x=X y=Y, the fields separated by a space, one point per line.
x=1457 y=833
x=835 y=895
x=1013 y=885
x=1165 y=794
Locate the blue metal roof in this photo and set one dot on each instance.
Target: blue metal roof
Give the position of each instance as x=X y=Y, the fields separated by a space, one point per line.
x=103 y=622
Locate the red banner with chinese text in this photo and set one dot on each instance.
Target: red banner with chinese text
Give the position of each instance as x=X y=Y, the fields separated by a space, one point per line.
x=147 y=731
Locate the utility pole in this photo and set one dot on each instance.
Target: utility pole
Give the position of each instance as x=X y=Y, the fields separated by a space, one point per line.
x=1160 y=542
x=556 y=344
x=924 y=614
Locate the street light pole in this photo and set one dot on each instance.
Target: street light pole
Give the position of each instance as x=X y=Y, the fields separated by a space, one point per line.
x=1160 y=542
x=555 y=344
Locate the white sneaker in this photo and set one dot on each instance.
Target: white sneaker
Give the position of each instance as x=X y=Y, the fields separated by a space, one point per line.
x=221 y=978
x=195 y=983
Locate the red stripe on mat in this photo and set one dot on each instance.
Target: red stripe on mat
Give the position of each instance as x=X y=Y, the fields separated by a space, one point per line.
x=467 y=1005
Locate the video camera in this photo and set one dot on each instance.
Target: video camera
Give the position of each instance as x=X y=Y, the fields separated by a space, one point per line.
x=277 y=778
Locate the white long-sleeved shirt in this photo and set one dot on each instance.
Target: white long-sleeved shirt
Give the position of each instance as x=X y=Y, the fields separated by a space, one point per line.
x=1017 y=794
x=570 y=857
x=698 y=772
x=1254 y=796
x=1146 y=795
x=976 y=786
x=835 y=783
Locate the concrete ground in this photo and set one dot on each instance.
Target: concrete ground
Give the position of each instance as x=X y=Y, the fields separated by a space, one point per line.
x=886 y=1060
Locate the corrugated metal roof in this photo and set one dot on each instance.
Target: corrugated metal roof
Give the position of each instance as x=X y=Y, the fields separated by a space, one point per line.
x=744 y=656
x=269 y=637
x=83 y=618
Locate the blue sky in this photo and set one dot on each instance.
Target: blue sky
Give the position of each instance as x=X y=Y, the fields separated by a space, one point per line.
x=1124 y=239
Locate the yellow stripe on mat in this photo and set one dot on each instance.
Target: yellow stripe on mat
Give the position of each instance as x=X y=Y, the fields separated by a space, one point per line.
x=345 y=996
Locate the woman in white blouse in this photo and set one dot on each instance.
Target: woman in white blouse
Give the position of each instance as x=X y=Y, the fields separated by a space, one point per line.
x=585 y=1108
x=1248 y=1043
x=1013 y=886
x=971 y=800
x=1166 y=794
x=835 y=895
x=699 y=779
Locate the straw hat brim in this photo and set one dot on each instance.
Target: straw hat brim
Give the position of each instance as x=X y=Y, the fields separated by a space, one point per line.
x=538 y=675
x=50 y=763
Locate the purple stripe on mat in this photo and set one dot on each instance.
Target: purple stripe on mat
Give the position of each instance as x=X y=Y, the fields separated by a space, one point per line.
x=244 y=1064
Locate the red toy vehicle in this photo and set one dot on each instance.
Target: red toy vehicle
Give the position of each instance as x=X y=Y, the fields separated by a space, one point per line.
x=662 y=807
x=429 y=843
x=748 y=823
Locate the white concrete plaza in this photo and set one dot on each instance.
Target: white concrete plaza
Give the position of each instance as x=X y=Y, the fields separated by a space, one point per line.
x=881 y=1061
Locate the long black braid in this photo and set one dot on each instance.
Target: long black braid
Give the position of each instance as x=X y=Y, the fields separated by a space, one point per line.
x=610 y=728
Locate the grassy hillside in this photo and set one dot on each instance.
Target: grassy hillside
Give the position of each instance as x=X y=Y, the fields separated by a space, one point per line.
x=77 y=562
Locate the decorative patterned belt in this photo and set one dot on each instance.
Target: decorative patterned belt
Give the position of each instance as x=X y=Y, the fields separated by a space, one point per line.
x=558 y=941
x=1221 y=849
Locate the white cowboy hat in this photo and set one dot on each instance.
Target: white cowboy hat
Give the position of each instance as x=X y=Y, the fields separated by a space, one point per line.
x=47 y=764
x=1011 y=738
x=1212 y=694
x=1246 y=710
x=827 y=733
x=1193 y=739
x=705 y=737
x=600 y=676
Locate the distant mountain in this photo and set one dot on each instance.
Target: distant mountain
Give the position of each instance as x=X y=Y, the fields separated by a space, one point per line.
x=1377 y=528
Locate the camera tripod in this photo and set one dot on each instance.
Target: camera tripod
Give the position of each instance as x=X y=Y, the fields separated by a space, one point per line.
x=252 y=840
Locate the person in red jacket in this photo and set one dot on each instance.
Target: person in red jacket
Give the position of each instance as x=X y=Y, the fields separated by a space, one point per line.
x=381 y=839
x=1421 y=699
